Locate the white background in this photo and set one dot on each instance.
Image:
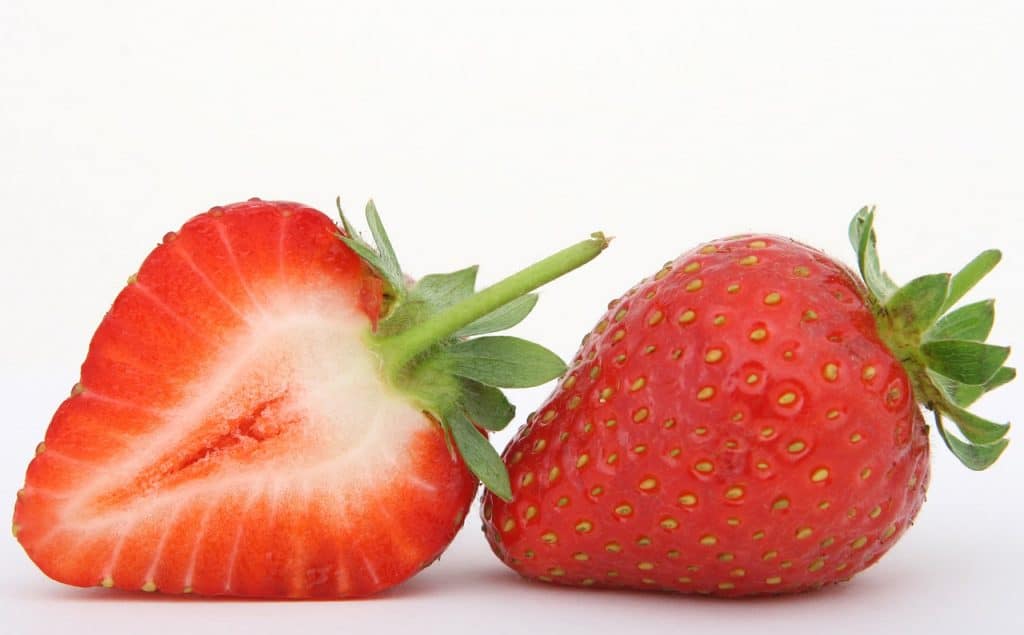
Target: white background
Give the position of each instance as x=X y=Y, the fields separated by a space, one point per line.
x=494 y=135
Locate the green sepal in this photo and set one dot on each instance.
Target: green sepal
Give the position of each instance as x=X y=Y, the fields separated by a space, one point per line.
x=944 y=353
x=479 y=455
x=504 y=362
x=862 y=237
x=486 y=406
x=389 y=261
x=501 y=319
x=422 y=346
x=970 y=322
x=915 y=306
x=971 y=274
x=382 y=258
x=973 y=456
x=1004 y=375
x=963 y=360
x=429 y=296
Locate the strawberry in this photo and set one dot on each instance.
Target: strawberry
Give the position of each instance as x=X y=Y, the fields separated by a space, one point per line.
x=271 y=409
x=746 y=421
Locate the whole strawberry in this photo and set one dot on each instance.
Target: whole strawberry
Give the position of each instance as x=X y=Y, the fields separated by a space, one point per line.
x=271 y=409
x=746 y=421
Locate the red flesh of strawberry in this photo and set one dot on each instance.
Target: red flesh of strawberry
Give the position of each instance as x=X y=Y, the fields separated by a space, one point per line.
x=230 y=434
x=734 y=425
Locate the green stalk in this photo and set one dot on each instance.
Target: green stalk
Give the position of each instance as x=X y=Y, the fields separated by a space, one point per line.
x=402 y=348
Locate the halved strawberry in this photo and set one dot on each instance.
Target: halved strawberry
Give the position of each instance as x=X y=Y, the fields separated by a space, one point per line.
x=266 y=410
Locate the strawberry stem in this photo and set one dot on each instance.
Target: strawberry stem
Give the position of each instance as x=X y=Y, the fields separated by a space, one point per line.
x=398 y=351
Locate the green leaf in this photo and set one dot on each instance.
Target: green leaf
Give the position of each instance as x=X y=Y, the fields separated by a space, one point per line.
x=1003 y=376
x=502 y=318
x=916 y=305
x=506 y=362
x=965 y=361
x=485 y=406
x=975 y=457
x=970 y=322
x=971 y=274
x=386 y=266
x=958 y=393
x=431 y=295
x=480 y=456
x=976 y=429
x=445 y=289
x=862 y=237
x=388 y=260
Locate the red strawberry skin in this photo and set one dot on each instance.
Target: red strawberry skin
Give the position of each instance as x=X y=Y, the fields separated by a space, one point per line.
x=229 y=435
x=732 y=426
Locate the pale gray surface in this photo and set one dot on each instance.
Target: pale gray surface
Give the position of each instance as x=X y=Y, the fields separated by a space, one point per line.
x=496 y=136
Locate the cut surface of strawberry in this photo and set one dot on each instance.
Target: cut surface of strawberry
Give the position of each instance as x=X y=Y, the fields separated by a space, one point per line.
x=233 y=432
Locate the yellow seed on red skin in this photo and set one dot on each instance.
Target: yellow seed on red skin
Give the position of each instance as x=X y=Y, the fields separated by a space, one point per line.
x=748 y=260
x=581 y=556
x=645 y=566
x=705 y=393
x=714 y=355
x=726 y=557
x=624 y=510
x=704 y=467
x=708 y=540
x=733 y=288
x=796 y=446
x=574 y=402
x=582 y=460
x=819 y=475
x=875 y=512
x=509 y=525
x=670 y=523
x=539 y=445
x=787 y=398
x=803 y=532
x=549 y=537
x=694 y=285
x=780 y=503
x=758 y=335
x=859 y=543
x=648 y=484
x=531 y=511
x=757 y=244
x=708 y=249
x=773 y=580
x=691 y=267
x=734 y=493
x=688 y=500
x=637 y=384
x=725 y=586
x=584 y=526
x=687 y=317
x=772 y=298
x=769 y=555
x=855 y=437
x=613 y=547
x=562 y=501
x=758 y=535
x=655 y=318
x=801 y=271
x=830 y=372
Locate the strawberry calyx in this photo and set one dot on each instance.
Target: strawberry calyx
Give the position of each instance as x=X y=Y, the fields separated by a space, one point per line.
x=434 y=341
x=944 y=352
